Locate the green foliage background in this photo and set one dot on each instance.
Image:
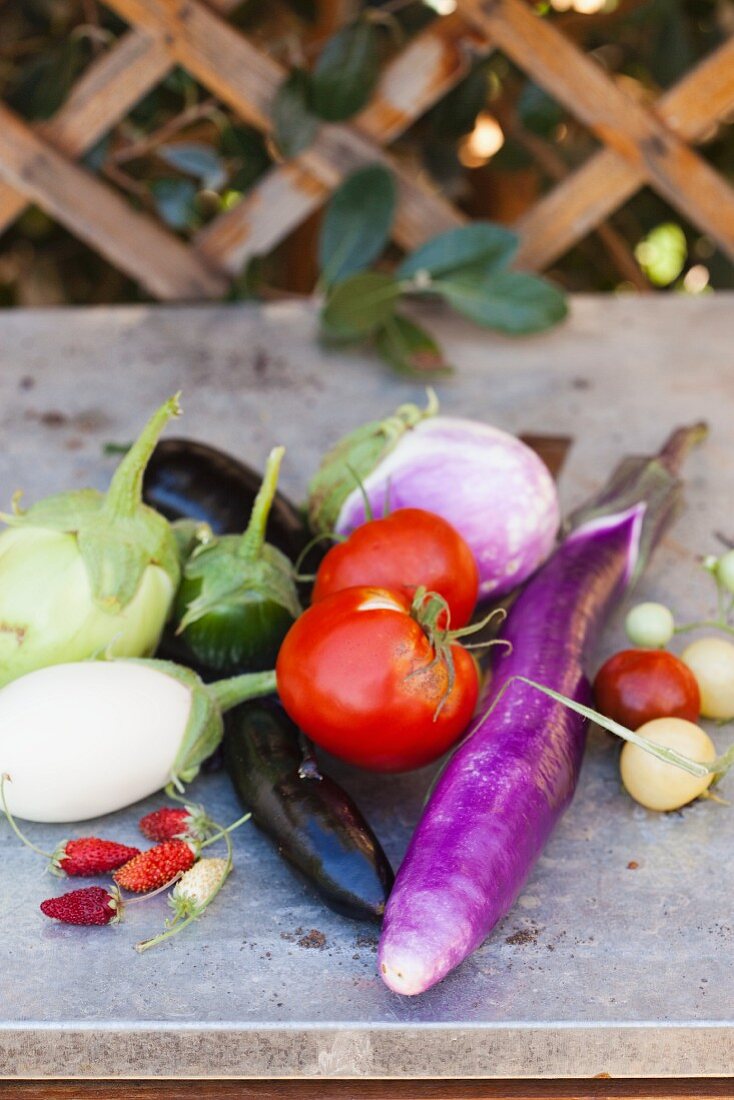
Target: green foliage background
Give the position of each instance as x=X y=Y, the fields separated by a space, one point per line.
x=180 y=154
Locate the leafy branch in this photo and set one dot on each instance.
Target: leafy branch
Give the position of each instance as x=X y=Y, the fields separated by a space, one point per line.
x=339 y=85
x=466 y=268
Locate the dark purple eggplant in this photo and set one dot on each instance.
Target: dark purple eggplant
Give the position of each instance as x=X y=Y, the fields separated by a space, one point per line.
x=313 y=821
x=189 y=480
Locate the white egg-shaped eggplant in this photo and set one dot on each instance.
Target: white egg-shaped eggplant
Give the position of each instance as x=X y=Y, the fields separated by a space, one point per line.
x=84 y=739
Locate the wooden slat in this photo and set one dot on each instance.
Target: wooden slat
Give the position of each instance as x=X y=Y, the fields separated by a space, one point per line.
x=220 y=58
x=429 y=66
x=637 y=135
x=642 y=147
x=133 y=242
x=578 y=205
x=246 y=79
x=104 y=94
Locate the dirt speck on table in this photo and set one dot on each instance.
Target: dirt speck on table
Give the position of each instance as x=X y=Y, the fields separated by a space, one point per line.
x=521 y=937
x=314 y=938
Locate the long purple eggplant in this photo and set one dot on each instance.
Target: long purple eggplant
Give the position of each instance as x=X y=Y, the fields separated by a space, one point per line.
x=509 y=782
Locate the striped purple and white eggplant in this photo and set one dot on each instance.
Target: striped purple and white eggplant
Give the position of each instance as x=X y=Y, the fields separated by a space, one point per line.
x=506 y=786
x=488 y=484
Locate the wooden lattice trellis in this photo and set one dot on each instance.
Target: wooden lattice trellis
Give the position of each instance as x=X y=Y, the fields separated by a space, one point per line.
x=641 y=145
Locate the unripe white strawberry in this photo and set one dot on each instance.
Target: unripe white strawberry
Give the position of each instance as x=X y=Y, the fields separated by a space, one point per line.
x=195 y=889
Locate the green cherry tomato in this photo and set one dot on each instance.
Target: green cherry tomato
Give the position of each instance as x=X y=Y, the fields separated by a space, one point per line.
x=650 y=625
x=725 y=570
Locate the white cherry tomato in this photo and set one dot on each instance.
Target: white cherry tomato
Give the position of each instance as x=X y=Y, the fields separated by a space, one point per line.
x=711 y=660
x=650 y=625
x=661 y=786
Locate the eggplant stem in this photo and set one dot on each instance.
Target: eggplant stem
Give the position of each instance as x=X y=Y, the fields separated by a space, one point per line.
x=126 y=488
x=679 y=445
x=238 y=689
x=369 y=514
x=251 y=542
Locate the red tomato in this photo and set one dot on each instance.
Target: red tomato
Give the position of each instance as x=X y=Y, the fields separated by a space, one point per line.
x=637 y=685
x=408 y=548
x=357 y=673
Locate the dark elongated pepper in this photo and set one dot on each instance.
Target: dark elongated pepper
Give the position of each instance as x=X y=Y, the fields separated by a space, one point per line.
x=315 y=824
x=189 y=480
x=237 y=597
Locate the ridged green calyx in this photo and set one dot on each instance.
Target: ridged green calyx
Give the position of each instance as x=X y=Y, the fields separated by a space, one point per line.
x=209 y=702
x=346 y=466
x=238 y=596
x=84 y=570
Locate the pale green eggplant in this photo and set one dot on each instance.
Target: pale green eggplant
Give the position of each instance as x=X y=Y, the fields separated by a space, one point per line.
x=85 y=572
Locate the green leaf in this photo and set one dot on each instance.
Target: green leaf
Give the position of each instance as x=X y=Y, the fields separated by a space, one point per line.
x=479 y=244
x=46 y=80
x=175 y=202
x=357 y=223
x=359 y=305
x=409 y=348
x=510 y=301
x=294 y=125
x=197 y=160
x=456 y=113
x=346 y=72
x=538 y=111
x=247 y=148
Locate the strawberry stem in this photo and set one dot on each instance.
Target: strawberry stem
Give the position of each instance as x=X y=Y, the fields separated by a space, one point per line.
x=175 y=926
x=11 y=821
x=223 y=832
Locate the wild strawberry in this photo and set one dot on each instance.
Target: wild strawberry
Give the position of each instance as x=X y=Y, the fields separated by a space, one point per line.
x=197 y=887
x=170 y=822
x=191 y=895
x=88 y=855
x=90 y=905
x=157 y=866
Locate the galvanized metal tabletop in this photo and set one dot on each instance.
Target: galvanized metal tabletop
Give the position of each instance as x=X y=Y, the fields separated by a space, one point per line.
x=617 y=959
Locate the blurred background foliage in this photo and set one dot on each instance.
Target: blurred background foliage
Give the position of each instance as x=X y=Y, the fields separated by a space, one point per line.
x=494 y=145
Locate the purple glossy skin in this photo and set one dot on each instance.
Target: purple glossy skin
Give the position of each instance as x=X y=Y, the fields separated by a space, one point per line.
x=505 y=788
x=467 y=471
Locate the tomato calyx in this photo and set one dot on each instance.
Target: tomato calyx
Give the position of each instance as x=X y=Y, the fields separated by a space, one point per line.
x=430 y=610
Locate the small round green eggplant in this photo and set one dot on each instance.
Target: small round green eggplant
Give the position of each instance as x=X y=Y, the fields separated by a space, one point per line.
x=238 y=597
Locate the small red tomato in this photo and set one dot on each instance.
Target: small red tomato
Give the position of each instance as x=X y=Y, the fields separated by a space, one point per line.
x=357 y=672
x=408 y=548
x=638 y=685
